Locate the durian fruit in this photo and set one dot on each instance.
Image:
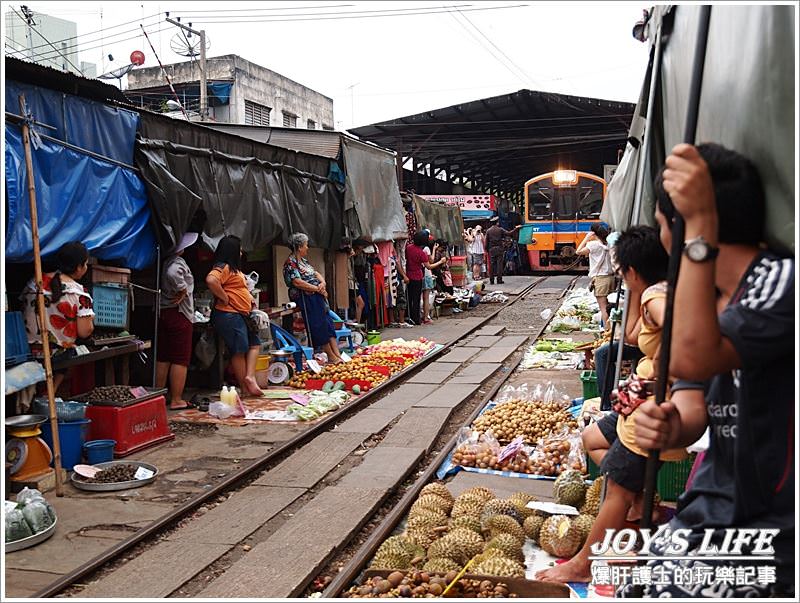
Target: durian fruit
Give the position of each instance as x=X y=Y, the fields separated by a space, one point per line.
x=521 y=507
x=425 y=528
x=592 y=504
x=433 y=503
x=487 y=554
x=441 y=565
x=467 y=506
x=559 y=536
x=460 y=545
x=500 y=566
x=498 y=506
x=465 y=521
x=523 y=497
x=508 y=545
x=399 y=545
x=503 y=524
x=532 y=526
x=438 y=489
x=429 y=516
x=480 y=491
x=390 y=562
x=584 y=524
x=569 y=488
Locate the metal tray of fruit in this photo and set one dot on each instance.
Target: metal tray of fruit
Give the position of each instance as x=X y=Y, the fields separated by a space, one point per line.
x=30 y=541
x=81 y=483
x=102 y=340
x=116 y=399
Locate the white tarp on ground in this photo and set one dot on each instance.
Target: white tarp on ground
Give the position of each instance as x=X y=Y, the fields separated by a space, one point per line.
x=747 y=101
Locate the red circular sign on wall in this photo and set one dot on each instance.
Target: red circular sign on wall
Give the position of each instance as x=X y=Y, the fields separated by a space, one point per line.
x=137 y=57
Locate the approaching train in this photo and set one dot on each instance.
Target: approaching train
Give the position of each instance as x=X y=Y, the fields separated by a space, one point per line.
x=560 y=208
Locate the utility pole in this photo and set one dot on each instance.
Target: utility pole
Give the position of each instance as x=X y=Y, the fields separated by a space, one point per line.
x=203 y=85
x=28 y=14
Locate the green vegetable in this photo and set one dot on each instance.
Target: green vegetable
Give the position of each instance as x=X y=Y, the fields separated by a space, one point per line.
x=328 y=387
x=16 y=526
x=38 y=516
x=356 y=389
x=338 y=386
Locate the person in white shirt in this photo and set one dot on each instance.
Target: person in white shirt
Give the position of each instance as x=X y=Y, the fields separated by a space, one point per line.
x=476 y=248
x=595 y=245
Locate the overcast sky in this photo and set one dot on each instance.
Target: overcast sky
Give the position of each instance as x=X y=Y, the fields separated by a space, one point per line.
x=383 y=65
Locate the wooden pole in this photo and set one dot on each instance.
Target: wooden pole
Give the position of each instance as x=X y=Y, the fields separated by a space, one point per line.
x=37 y=262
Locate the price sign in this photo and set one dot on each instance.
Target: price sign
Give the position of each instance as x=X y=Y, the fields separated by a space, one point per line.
x=314 y=366
x=143 y=473
x=345 y=357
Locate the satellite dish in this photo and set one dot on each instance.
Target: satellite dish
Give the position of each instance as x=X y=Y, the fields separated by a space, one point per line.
x=137 y=57
x=187 y=46
x=117 y=73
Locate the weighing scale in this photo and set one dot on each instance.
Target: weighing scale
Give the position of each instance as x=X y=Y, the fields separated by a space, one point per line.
x=279 y=371
x=28 y=454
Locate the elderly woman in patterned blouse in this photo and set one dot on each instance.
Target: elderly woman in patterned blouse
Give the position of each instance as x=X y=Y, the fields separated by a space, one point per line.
x=307 y=290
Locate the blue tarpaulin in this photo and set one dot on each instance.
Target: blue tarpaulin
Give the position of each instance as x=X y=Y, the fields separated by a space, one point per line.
x=79 y=198
x=102 y=129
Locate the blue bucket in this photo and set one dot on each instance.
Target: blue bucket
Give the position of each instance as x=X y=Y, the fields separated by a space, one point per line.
x=71 y=436
x=99 y=451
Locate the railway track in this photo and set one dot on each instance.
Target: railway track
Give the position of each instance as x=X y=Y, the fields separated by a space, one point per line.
x=265 y=463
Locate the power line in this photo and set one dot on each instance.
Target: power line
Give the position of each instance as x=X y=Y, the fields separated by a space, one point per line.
x=115 y=42
x=101 y=30
x=244 y=10
x=32 y=28
x=352 y=15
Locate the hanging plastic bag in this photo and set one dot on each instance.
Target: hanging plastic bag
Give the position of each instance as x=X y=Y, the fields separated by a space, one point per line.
x=552 y=455
x=205 y=350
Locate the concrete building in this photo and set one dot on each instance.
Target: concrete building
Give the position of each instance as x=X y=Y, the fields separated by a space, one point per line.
x=48 y=41
x=239 y=92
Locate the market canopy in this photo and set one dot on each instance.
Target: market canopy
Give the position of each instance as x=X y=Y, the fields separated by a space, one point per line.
x=499 y=143
x=751 y=48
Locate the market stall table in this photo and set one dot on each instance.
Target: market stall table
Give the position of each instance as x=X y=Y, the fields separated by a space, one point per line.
x=108 y=354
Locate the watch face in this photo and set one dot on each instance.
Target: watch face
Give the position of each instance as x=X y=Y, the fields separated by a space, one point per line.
x=696 y=252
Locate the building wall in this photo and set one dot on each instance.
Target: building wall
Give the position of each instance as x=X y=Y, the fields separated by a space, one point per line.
x=52 y=29
x=252 y=83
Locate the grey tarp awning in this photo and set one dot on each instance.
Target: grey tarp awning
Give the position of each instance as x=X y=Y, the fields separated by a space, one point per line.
x=747 y=101
x=373 y=209
x=261 y=202
x=444 y=221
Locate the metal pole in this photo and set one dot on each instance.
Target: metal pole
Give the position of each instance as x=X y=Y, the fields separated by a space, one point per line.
x=203 y=82
x=678 y=231
x=37 y=264
x=157 y=310
x=166 y=75
x=636 y=208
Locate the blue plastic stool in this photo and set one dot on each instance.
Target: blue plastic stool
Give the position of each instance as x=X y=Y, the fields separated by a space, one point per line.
x=343 y=333
x=285 y=341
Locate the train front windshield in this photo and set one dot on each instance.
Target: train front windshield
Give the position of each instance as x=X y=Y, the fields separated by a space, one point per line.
x=585 y=198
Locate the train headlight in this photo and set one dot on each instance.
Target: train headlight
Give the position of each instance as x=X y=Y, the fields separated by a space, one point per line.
x=565 y=177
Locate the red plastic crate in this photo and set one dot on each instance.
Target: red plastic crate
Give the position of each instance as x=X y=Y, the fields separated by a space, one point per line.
x=314 y=383
x=133 y=427
x=364 y=385
x=383 y=370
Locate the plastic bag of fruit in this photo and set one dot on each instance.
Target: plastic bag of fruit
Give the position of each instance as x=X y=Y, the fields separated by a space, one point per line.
x=554 y=454
x=474 y=449
x=552 y=394
x=510 y=392
x=515 y=457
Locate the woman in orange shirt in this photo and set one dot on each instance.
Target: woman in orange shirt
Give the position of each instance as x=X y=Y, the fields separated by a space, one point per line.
x=233 y=304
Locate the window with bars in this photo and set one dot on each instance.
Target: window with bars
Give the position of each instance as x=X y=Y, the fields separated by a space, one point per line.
x=327 y=127
x=289 y=120
x=255 y=114
x=311 y=124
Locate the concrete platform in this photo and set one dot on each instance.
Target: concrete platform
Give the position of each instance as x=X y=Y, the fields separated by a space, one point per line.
x=491 y=330
x=476 y=373
x=436 y=373
x=495 y=354
x=305 y=467
x=404 y=397
x=502 y=486
x=281 y=566
x=368 y=421
x=460 y=354
x=483 y=341
x=449 y=395
x=382 y=467
x=419 y=427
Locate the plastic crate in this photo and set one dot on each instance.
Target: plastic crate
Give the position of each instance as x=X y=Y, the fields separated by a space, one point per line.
x=17 y=348
x=672 y=478
x=594 y=470
x=133 y=427
x=111 y=304
x=589 y=380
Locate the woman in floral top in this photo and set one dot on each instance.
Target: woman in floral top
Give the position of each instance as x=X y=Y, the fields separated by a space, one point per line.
x=307 y=289
x=68 y=306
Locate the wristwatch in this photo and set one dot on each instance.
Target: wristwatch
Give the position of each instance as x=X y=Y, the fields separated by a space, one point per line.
x=698 y=250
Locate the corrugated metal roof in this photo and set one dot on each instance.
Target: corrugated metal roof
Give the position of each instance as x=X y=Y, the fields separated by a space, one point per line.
x=47 y=77
x=323 y=143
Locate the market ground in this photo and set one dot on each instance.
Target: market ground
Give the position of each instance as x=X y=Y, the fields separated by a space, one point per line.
x=202 y=455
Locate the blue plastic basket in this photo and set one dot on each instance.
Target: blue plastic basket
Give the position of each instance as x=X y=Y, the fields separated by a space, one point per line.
x=17 y=348
x=110 y=305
